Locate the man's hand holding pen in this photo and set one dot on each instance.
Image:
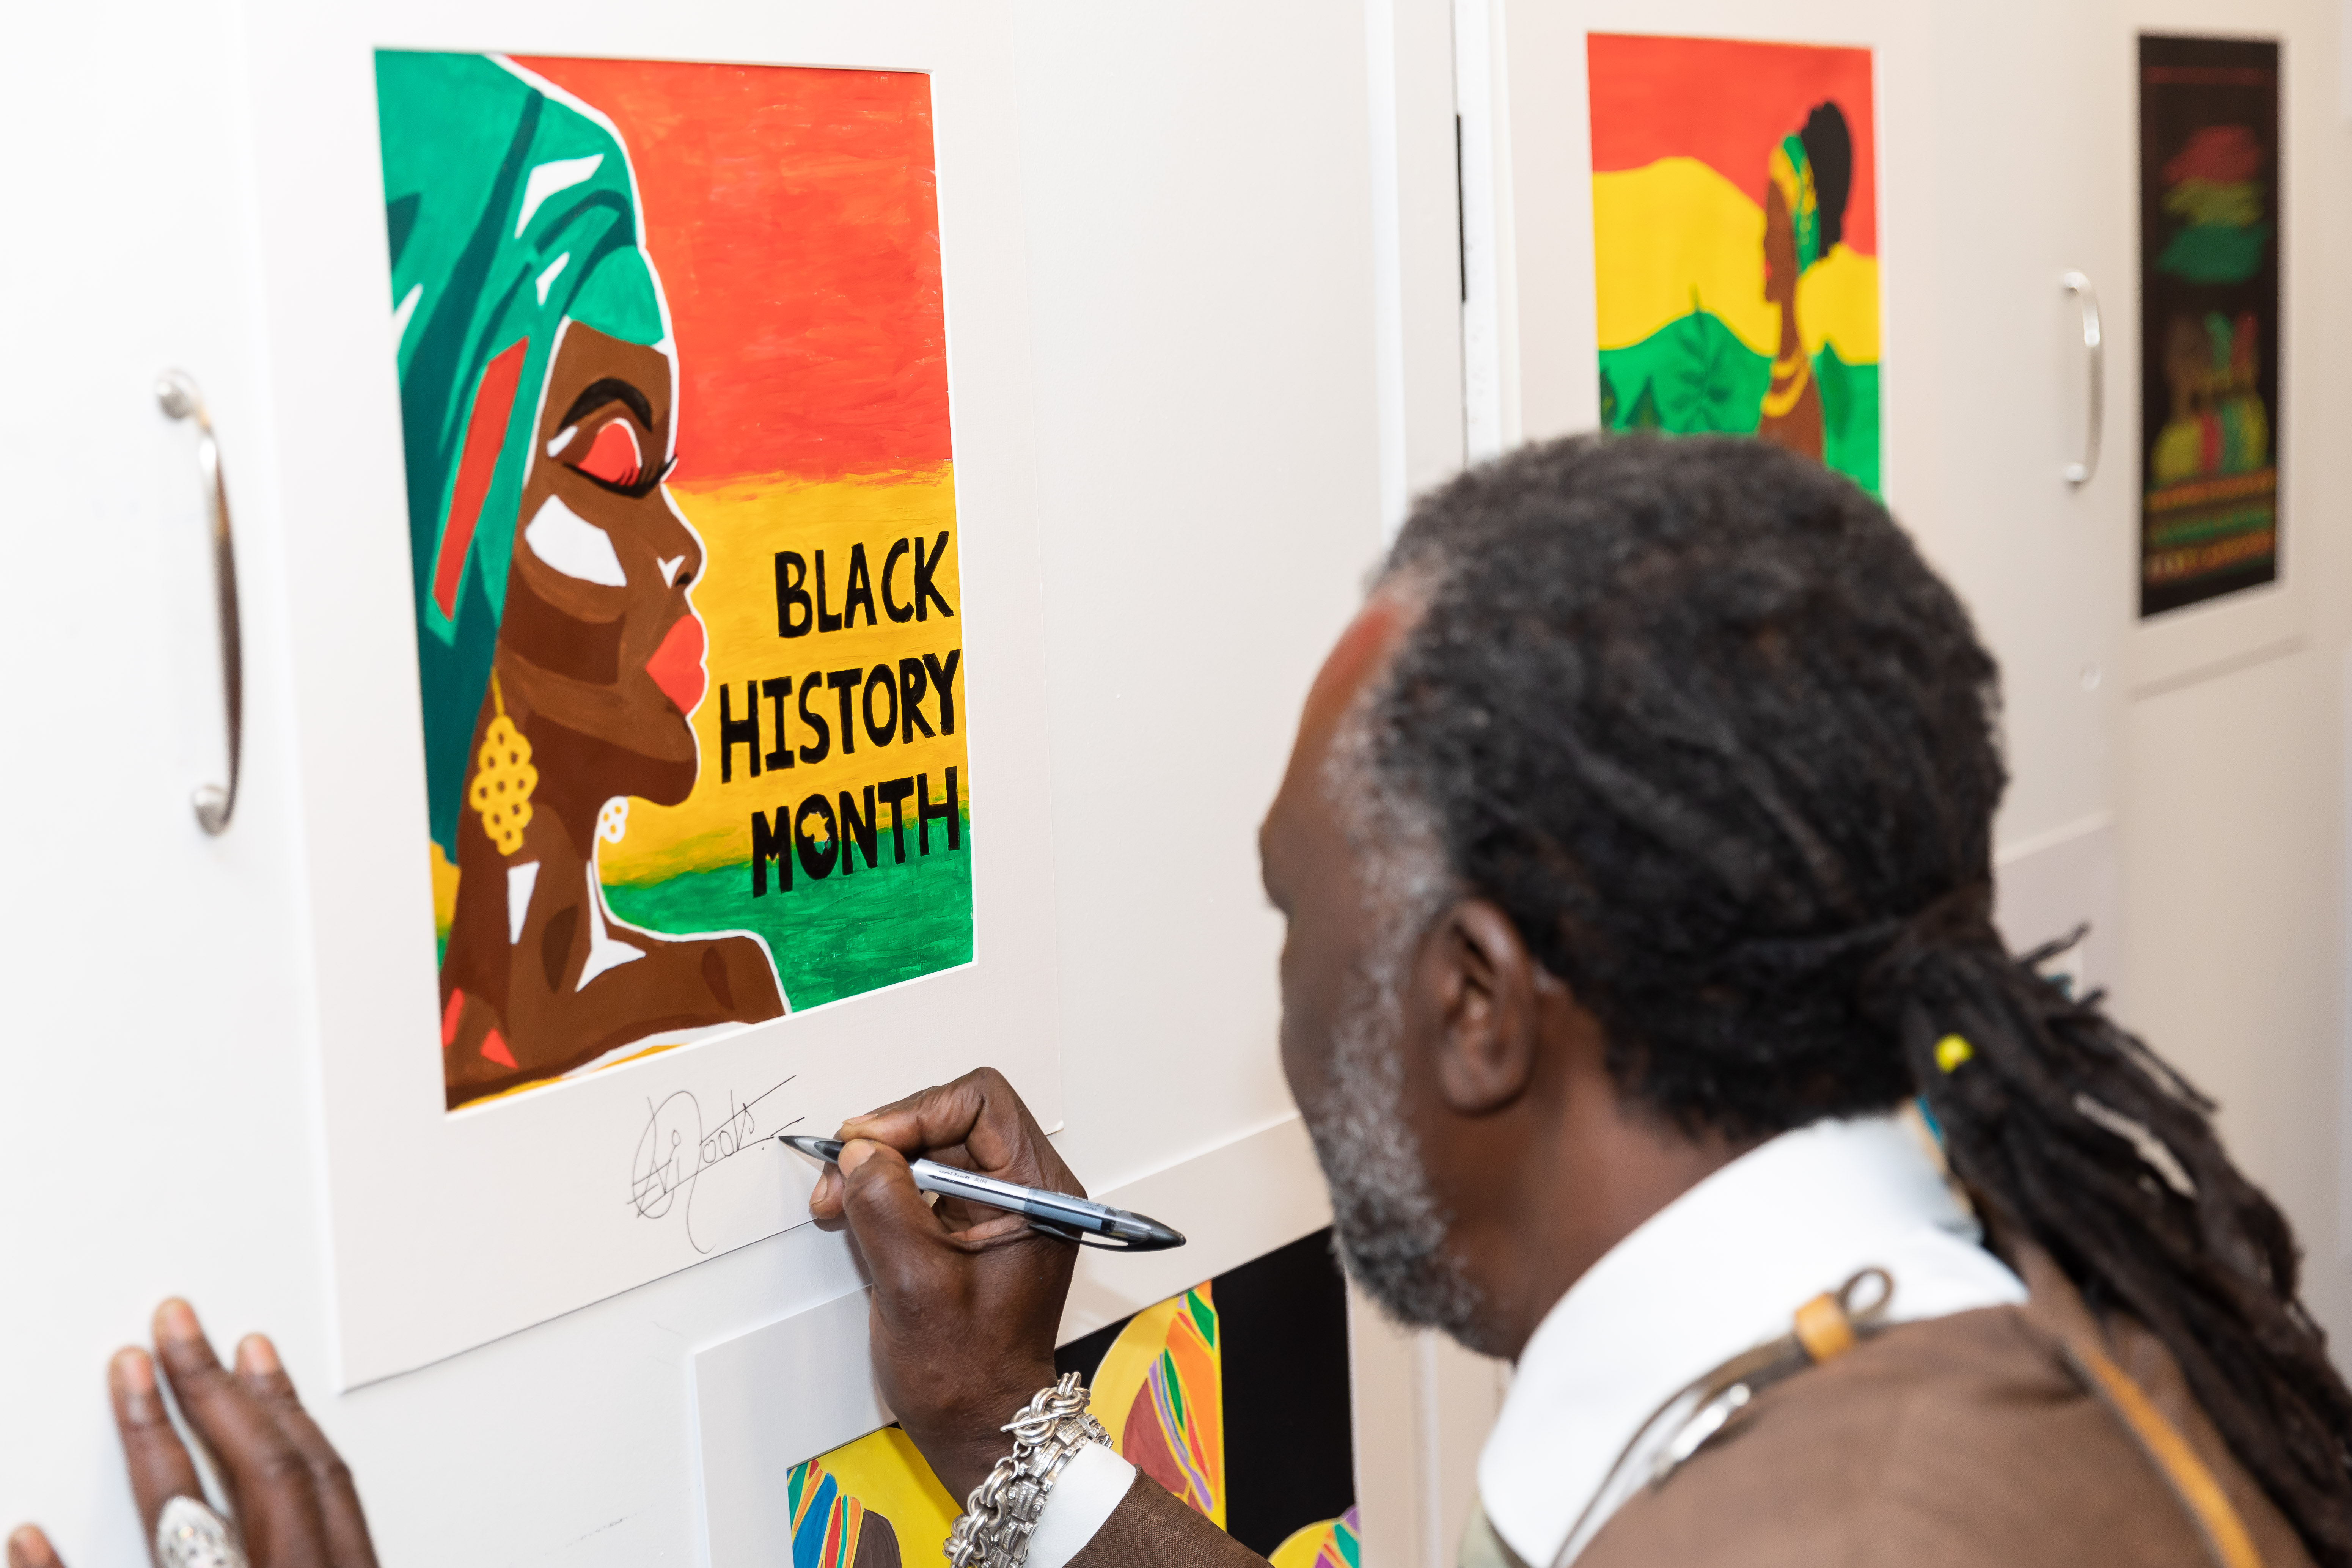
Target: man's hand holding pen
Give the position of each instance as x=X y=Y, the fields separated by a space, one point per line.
x=966 y=1299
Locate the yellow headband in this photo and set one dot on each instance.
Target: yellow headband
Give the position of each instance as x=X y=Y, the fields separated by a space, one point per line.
x=1791 y=173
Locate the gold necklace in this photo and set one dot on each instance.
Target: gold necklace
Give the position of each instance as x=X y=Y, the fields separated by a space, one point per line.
x=1779 y=399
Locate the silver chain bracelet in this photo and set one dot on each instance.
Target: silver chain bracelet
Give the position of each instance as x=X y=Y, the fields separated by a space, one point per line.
x=1001 y=1513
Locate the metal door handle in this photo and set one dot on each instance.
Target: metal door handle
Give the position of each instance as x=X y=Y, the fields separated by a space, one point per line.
x=2079 y=472
x=177 y=391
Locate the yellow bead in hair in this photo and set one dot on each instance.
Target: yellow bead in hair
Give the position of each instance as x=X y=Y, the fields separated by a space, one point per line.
x=1951 y=1052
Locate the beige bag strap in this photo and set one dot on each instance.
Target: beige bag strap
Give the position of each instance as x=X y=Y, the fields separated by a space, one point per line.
x=2192 y=1481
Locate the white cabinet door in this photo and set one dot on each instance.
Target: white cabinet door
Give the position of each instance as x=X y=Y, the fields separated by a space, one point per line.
x=153 y=1073
x=2023 y=182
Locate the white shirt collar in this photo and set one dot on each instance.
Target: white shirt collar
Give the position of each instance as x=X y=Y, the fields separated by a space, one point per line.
x=1717 y=1271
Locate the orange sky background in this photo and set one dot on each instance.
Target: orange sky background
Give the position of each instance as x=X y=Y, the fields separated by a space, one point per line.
x=1728 y=104
x=792 y=215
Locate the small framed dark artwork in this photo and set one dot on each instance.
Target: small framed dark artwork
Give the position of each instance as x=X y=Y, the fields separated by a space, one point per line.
x=2209 y=227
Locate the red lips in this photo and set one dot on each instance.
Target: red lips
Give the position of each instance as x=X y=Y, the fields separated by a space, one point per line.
x=676 y=665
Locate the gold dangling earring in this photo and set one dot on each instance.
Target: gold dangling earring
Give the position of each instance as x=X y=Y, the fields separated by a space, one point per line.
x=503 y=778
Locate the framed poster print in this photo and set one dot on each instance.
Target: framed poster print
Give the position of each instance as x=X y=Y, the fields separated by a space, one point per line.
x=2209 y=247
x=1735 y=231
x=668 y=639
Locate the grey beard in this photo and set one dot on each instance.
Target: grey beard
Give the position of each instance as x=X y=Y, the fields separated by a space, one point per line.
x=1388 y=1227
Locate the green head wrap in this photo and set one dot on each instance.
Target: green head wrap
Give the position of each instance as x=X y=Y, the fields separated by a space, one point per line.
x=510 y=208
x=1793 y=171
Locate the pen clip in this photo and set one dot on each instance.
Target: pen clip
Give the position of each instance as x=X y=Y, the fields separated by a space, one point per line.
x=1108 y=1243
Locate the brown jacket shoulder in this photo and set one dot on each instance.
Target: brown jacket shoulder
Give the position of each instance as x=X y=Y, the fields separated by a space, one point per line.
x=1962 y=1440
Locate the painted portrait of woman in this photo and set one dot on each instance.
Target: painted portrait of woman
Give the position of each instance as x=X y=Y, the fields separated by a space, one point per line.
x=1736 y=243
x=558 y=648
x=1808 y=177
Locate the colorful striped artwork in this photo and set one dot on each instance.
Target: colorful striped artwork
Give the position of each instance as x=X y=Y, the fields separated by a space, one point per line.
x=826 y=1523
x=867 y=1504
x=1735 y=229
x=1270 y=1459
x=1330 y=1544
x=1160 y=1391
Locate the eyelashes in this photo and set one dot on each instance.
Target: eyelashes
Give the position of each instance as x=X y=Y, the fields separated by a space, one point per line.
x=614 y=460
x=635 y=487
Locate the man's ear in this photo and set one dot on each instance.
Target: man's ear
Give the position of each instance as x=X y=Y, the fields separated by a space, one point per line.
x=1484 y=983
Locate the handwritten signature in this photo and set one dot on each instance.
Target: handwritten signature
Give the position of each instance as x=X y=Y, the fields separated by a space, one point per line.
x=674 y=1151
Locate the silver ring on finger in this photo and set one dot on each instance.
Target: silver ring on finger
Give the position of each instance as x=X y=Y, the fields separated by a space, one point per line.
x=188 y=1534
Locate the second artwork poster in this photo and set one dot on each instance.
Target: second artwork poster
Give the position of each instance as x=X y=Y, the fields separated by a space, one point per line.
x=1735 y=222
x=1232 y=1395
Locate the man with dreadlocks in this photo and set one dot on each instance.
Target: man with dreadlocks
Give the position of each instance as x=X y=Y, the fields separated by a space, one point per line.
x=1643 y=1000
